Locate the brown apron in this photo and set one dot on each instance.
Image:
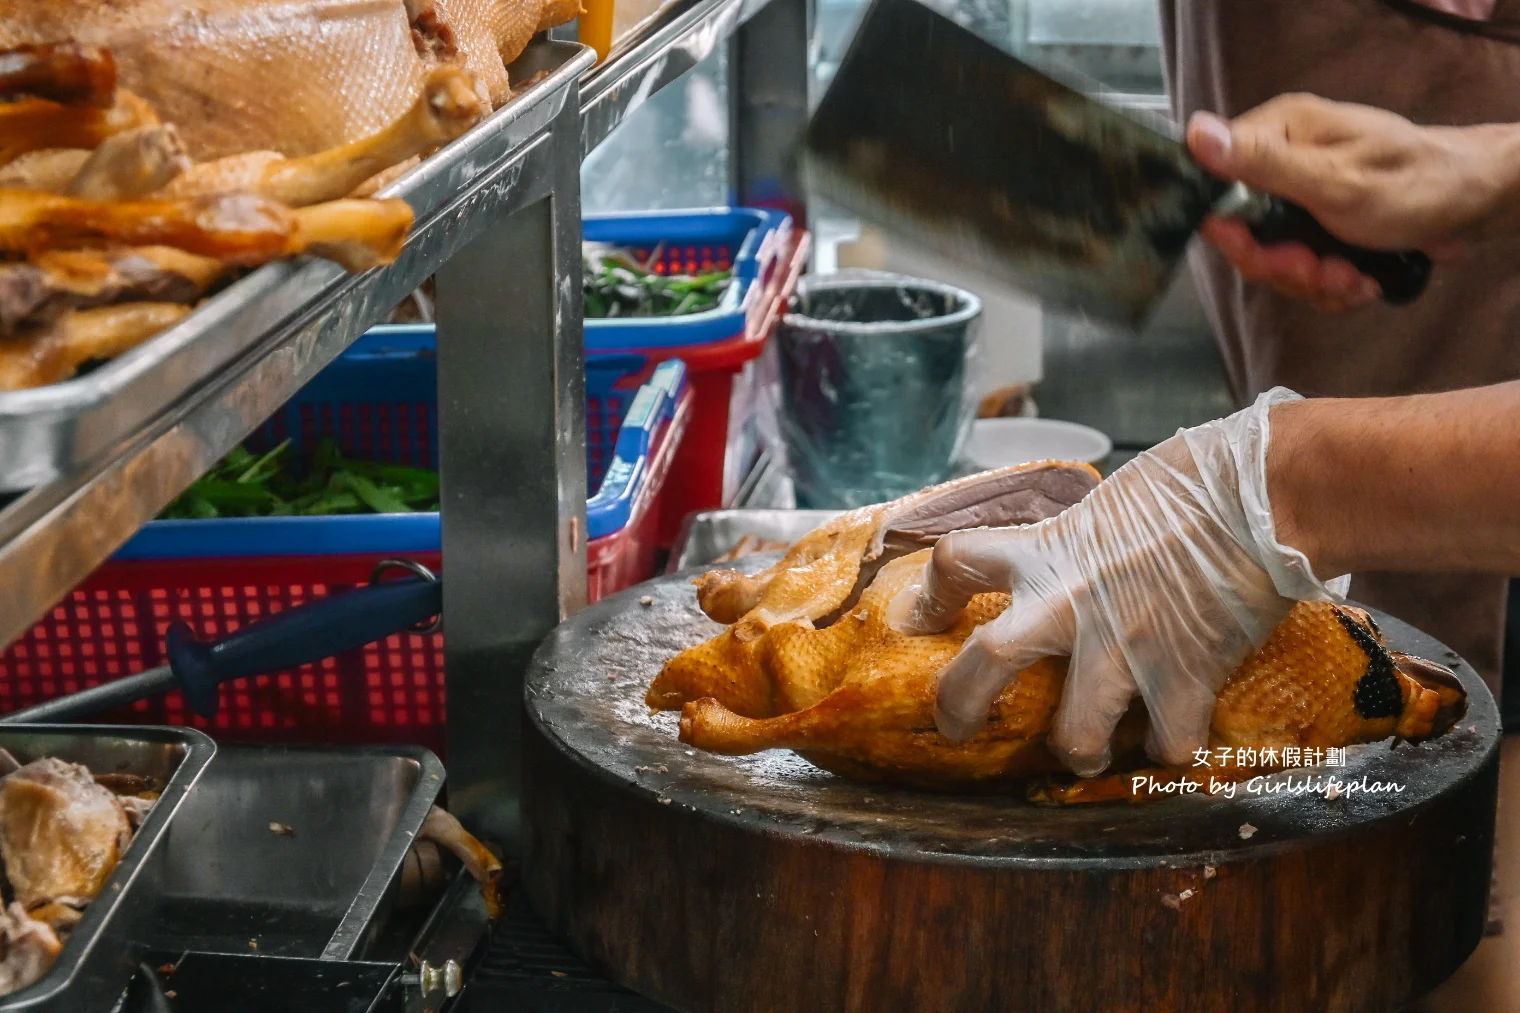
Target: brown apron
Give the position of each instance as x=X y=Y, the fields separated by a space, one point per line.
x=1227 y=56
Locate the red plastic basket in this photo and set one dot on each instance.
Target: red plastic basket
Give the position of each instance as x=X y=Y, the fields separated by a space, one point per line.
x=713 y=368
x=114 y=624
x=621 y=560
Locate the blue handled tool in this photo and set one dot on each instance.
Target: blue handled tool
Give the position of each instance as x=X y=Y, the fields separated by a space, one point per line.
x=294 y=637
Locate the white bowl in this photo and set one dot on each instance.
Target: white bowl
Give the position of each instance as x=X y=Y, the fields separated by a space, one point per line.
x=998 y=443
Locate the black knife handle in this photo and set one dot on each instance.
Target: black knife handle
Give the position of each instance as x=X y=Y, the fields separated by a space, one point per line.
x=1402 y=275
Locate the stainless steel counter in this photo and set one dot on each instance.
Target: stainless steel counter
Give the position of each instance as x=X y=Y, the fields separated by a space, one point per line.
x=498 y=223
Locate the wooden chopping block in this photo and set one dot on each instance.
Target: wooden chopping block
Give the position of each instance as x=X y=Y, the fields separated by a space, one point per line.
x=762 y=884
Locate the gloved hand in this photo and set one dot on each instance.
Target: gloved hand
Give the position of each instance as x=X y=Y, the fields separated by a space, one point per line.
x=1160 y=582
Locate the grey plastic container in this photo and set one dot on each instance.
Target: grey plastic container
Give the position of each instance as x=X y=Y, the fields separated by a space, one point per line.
x=872 y=370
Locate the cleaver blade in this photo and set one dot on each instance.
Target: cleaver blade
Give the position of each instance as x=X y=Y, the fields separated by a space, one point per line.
x=944 y=138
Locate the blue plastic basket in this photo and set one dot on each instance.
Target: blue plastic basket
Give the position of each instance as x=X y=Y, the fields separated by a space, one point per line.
x=767 y=254
x=748 y=240
x=378 y=402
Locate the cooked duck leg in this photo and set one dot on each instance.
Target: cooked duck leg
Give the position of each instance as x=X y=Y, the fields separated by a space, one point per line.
x=131 y=164
x=29 y=948
x=359 y=234
x=55 y=352
x=34 y=124
x=443 y=829
x=62 y=71
x=61 y=834
x=38 y=291
x=125 y=166
x=857 y=697
x=241 y=228
x=50 y=171
x=447 y=107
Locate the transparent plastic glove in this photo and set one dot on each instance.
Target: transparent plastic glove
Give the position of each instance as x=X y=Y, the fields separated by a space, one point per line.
x=1160 y=582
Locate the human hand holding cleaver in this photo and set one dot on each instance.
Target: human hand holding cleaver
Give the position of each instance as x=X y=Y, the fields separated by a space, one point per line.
x=942 y=136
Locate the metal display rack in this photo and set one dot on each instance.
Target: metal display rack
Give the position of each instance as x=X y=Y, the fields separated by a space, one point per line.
x=498 y=224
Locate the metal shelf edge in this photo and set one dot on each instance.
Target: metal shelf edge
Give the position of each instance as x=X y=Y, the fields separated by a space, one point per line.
x=48 y=432
x=278 y=327
x=675 y=43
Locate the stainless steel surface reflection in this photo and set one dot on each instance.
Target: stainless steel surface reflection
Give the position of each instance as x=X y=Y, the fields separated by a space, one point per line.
x=706 y=536
x=293 y=851
x=873 y=370
x=1138 y=390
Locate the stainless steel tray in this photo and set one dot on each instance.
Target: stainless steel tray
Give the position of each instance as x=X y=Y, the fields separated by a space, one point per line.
x=323 y=889
x=706 y=536
x=102 y=951
x=49 y=431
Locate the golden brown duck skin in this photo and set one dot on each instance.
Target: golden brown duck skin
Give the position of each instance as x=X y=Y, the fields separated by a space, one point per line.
x=824 y=572
x=61 y=834
x=60 y=71
x=296 y=76
x=36 y=124
x=827 y=568
x=446 y=107
x=1322 y=679
x=857 y=697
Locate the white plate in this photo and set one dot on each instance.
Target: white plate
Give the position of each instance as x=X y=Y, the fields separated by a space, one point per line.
x=997 y=443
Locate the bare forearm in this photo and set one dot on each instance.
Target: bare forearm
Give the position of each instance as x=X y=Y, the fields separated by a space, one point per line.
x=1491 y=154
x=1423 y=483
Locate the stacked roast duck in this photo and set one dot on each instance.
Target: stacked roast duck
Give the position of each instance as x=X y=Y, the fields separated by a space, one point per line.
x=152 y=149
x=808 y=662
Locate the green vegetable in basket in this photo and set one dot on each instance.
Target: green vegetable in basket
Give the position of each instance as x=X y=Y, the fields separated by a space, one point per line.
x=617 y=284
x=244 y=484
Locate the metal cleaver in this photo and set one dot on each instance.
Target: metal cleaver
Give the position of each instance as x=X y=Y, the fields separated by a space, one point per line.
x=942 y=136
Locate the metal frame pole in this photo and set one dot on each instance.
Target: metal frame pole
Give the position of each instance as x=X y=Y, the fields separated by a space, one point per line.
x=512 y=418
x=768 y=105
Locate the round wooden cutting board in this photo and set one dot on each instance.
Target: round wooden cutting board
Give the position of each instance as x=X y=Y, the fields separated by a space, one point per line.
x=764 y=885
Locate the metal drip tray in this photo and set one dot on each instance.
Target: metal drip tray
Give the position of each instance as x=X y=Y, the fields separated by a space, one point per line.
x=527 y=970
x=293 y=852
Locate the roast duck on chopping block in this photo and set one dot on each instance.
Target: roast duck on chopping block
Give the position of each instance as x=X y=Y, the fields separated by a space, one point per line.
x=109 y=230
x=809 y=663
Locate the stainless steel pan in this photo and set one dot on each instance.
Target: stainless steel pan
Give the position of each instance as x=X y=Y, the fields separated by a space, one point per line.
x=294 y=851
x=103 y=950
